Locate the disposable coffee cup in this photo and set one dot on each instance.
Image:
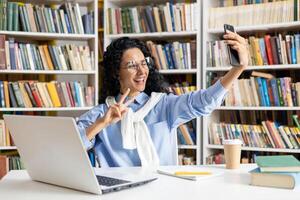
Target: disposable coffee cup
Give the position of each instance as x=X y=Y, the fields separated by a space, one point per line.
x=232 y=152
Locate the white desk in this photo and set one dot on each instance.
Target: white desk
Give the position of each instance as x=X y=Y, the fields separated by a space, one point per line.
x=231 y=185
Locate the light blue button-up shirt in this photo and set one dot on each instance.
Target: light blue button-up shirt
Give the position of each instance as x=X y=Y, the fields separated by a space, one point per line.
x=162 y=121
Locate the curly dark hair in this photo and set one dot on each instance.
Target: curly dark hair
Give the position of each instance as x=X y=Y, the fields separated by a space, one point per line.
x=111 y=62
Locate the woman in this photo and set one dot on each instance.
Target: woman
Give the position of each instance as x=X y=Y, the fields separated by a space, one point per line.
x=137 y=124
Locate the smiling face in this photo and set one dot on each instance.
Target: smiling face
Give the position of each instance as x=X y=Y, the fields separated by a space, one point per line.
x=133 y=71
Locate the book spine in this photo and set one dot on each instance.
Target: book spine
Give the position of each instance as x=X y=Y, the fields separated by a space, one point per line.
x=12 y=97
x=269 y=49
x=15 y=17
x=275 y=92
x=69 y=90
x=283 y=89
x=2 y=52
x=279 y=50
x=288 y=48
x=265 y=91
x=10 y=16
x=2 y=98
x=6 y=94
x=12 y=53
x=280 y=95
x=28 y=90
x=18 y=95
x=36 y=94
x=261 y=91
x=274 y=50
x=293 y=50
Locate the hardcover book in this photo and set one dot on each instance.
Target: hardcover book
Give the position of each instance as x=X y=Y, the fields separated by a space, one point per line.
x=276 y=179
x=283 y=163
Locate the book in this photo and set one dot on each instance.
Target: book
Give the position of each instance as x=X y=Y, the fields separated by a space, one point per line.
x=296 y=120
x=3 y=166
x=277 y=180
x=53 y=94
x=262 y=74
x=282 y=163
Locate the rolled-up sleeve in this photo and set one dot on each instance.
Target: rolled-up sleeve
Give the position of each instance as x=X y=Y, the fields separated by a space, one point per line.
x=186 y=107
x=84 y=121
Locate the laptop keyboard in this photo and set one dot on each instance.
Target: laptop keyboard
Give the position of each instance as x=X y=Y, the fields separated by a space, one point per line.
x=108 y=181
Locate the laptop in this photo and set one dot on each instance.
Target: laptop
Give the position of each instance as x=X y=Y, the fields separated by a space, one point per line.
x=52 y=152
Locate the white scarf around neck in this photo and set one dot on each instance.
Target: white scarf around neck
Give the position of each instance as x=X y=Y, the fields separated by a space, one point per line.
x=135 y=133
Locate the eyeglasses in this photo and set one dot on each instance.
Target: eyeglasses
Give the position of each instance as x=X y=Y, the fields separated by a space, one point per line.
x=133 y=66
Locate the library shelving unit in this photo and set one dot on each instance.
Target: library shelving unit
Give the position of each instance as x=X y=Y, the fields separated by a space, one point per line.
x=88 y=78
x=211 y=34
x=195 y=34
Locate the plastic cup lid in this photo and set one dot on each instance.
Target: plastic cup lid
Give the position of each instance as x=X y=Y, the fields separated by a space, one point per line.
x=234 y=141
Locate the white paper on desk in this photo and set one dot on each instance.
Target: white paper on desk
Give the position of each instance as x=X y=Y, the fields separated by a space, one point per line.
x=171 y=172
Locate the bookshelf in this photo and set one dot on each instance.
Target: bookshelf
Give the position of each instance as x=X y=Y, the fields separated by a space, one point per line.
x=87 y=39
x=181 y=35
x=87 y=76
x=259 y=30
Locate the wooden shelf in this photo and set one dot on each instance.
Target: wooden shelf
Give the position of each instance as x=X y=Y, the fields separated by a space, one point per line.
x=264 y=27
x=155 y=35
x=187 y=147
x=250 y=68
x=257 y=108
x=46 y=72
x=58 y=2
x=178 y=71
x=126 y=3
x=8 y=148
x=48 y=36
x=46 y=109
x=211 y=146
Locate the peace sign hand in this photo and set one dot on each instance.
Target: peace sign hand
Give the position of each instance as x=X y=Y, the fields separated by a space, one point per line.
x=116 y=112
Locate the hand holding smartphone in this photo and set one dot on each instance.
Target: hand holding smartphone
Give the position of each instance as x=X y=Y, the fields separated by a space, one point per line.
x=233 y=54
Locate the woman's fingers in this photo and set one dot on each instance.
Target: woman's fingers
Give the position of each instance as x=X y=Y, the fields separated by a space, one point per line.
x=116 y=111
x=235 y=47
x=232 y=42
x=123 y=97
x=235 y=44
x=234 y=36
x=124 y=111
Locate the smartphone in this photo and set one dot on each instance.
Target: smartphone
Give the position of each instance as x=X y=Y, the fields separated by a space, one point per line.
x=233 y=54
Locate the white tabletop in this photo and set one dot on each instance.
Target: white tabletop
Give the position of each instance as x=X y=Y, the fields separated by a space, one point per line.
x=230 y=184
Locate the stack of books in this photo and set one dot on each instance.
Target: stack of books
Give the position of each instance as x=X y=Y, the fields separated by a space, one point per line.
x=276 y=171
